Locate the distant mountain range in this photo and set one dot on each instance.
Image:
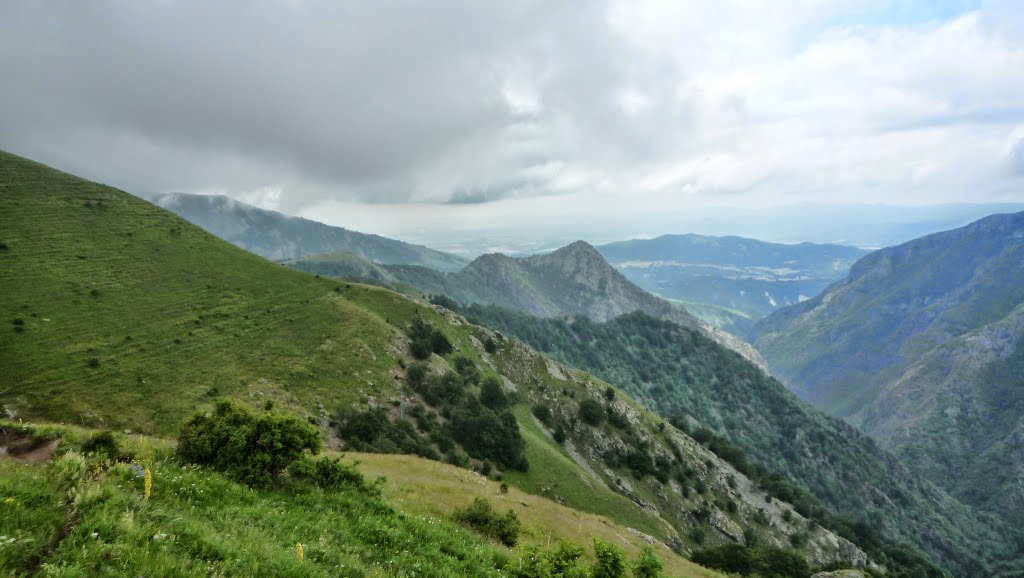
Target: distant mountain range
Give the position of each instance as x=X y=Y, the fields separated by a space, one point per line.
x=280 y=237
x=730 y=281
x=922 y=346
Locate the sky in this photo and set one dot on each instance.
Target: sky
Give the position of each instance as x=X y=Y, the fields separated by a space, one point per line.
x=407 y=118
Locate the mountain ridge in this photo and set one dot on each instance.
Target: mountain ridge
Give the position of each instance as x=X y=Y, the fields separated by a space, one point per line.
x=280 y=237
x=919 y=346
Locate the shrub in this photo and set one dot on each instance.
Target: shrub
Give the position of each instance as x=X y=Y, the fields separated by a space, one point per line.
x=444 y=301
x=779 y=563
x=328 y=473
x=698 y=535
x=488 y=435
x=492 y=395
x=490 y=345
x=467 y=369
x=426 y=339
x=251 y=448
x=560 y=434
x=765 y=561
x=483 y=518
x=733 y=558
x=542 y=412
x=417 y=374
x=610 y=561
x=617 y=419
x=420 y=348
x=592 y=412
x=102 y=443
x=647 y=564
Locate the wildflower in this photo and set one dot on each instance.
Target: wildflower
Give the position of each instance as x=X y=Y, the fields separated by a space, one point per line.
x=148 y=483
x=299 y=552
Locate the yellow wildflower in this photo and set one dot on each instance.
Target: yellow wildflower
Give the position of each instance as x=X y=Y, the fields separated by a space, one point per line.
x=148 y=483
x=299 y=552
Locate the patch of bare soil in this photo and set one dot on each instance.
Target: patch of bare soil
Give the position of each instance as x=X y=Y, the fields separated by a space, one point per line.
x=25 y=447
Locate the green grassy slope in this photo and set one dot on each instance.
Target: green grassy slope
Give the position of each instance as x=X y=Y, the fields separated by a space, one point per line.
x=198 y=523
x=131 y=317
x=120 y=315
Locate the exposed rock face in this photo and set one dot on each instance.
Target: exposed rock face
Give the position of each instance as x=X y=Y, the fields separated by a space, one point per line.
x=727 y=527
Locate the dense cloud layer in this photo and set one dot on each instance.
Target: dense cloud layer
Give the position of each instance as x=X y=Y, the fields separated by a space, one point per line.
x=302 y=104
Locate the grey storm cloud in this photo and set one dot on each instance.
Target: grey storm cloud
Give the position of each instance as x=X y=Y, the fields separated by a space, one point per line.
x=355 y=97
x=348 y=94
x=306 y=101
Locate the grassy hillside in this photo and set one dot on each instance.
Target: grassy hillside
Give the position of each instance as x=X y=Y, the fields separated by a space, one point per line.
x=344 y=264
x=198 y=523
x=280 y=237
x=124 y=316
x=679 y=373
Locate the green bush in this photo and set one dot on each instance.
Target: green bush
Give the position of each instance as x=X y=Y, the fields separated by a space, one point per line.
x=592 y=412
x=647 y=564
x=764 y=561
x=329 y=474
x=610 y=561
x=251 y=448
x=417 y=374
x=483 y=518
x=467 y=369
x=103 y=444
x=542 y=412
x=490 y=345
x=492 y=395
x=426 y=339
x=560 y=435
x=563 y=561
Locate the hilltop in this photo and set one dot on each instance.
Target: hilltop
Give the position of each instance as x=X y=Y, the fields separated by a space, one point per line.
x=920 y=347
x=573 y=279
x=281 y=237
